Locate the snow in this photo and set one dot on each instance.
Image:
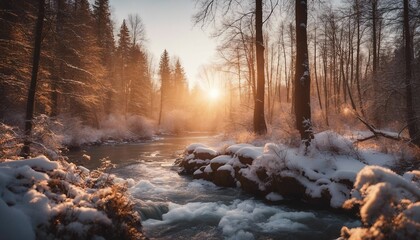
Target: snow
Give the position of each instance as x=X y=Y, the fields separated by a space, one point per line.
x=389 y=205
x=222 y=159
x=37 y=192
x=14 y=223
x=190 y=148
x=235 y=147
x=274 y=197
x=210 y=151
x=226 y=167
x=237 y=218
x=330 y=165
x=39 y=163
x=250 y=152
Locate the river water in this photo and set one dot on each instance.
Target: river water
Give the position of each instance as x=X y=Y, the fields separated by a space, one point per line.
x=178 y=207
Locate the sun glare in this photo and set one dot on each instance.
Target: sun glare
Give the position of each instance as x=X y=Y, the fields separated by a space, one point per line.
x=214 y=94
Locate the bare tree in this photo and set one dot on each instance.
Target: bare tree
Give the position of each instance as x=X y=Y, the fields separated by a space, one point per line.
x=136 y=28
x=302 y=77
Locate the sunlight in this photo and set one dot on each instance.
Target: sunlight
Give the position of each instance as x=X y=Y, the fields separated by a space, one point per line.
x=214 y=94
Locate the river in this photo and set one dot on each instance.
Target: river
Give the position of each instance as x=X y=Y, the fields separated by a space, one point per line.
x=178 y=207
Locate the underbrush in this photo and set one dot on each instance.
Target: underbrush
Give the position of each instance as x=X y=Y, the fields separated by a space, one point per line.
x=44 y=199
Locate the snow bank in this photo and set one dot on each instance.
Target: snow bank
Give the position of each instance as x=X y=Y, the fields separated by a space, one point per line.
x=324 y=174
x=43 y=199
x=389 y=205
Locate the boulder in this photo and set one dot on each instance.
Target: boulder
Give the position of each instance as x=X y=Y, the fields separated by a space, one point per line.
x=219 y=161
x=247 y=155
x=288 y=187
x=205 y=153
x=190 y=166
x=223 y=176
x=249 y=185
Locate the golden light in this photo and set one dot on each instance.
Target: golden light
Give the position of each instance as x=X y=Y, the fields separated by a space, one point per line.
x=346 y=111
x=214 y=94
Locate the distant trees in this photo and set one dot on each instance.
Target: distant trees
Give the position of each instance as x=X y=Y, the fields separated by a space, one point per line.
x=82 y=72
x=173 y=86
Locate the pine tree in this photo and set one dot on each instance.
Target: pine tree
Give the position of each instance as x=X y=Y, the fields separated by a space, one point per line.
x=123 y=53
x=165 y=77
x=180 y=82
x=17 y=25
x=105 y=39
x=140 y=85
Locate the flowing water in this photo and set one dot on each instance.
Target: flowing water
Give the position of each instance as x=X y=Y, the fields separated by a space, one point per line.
x=178 y=207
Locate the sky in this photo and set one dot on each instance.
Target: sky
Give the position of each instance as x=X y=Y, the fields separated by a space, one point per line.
x=169 y=26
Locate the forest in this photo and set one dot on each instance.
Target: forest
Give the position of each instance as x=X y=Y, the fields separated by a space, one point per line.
x=305 y=104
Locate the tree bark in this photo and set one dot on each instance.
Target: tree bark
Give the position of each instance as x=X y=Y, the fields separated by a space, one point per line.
x=413 y=128
x=30 y=104
x=302 y=76
x=260 y=126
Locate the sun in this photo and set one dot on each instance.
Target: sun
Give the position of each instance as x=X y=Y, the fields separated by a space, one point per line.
x=214 y=94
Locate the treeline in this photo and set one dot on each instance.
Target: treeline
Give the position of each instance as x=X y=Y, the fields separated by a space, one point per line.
x=358 y=53
x=85 y=71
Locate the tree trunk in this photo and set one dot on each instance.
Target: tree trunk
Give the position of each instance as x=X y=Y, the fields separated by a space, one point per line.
x=413 y=128
x=32 y=89
x=260 y=126
x=302 y=76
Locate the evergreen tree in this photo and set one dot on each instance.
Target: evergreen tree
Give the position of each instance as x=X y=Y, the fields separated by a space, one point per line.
x=123 y=53
x=180 y=84
x=16 y=31
x=165 y=78
x=140 y=85
x=106 y=44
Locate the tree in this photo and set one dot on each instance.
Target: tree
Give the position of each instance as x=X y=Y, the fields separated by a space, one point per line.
x=413 y=127
x=106 y=45
x=208 y=10
x=180 y=84
x=35 y=67
x=260 y=126
x=302 y=77
x=123 y=52
x=165 y=77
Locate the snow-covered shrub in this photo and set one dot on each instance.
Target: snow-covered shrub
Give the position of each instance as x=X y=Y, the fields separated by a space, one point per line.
x=389 y=206
x=10 y=142
x=43 y=199
x=116 y=127
x=44 y=139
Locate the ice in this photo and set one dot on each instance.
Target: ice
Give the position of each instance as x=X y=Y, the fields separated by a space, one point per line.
x=237 y=219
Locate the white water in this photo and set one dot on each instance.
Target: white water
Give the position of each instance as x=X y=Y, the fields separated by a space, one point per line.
x=177 y=207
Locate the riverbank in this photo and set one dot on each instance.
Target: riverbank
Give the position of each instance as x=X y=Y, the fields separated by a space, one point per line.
x=331 y=173
x=43 y=199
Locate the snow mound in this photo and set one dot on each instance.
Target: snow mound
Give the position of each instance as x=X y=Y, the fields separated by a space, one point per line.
x=42 y=199
x=329 y=141
x=389 y=203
